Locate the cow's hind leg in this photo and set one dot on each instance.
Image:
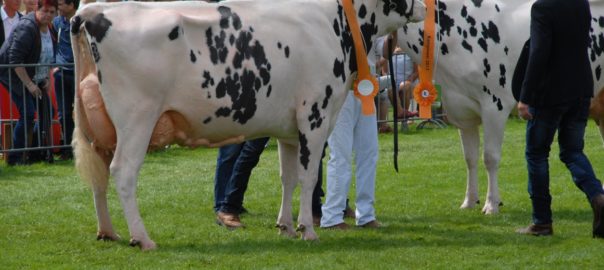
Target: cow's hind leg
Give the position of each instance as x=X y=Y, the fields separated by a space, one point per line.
x=129 y=155
x=287 y=157
x=493 y=140
x=309 y=153
x=470 y=140
x=93 y=168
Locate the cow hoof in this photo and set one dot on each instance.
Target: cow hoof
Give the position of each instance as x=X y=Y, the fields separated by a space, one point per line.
x=285 y=230
x=468 y=204
x=490 y=209
x=310 y=236
x=144 y=245
x=107 y=236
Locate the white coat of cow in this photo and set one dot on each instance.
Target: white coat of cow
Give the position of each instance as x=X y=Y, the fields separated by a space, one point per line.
x=202 y=74
x=479 y=43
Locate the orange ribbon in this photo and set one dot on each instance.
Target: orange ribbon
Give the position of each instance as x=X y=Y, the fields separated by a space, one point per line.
x=425 y=92
x=365 y=86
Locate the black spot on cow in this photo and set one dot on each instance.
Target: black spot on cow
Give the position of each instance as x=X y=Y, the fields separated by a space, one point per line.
x=193 y=57
x=336 y=27
x=286 y=49
x=464 y=34
x=497 y=8
x=483 y=44
x=598 y=72
x=499 y=105
x=368 y=30
x=362 y=11
x=473 y=31
x=207 y=80
x=98 y=26
x=223 y=112
x=477 y=3
x=466 y=45
x=338 y=69
x=304 y=151
x=464 y=11
x=415 y=49
x=231 y=39
x=445 y=21
x=174 y=33
x=487 y=67
x=328 y=93
x=226 y=16
x=100 y=76
x=601 y=21
x=76 y=23
x=268 y=92
x=218 y=50
x=506 y=50
x=279 y=45
x=95 y=52
x=502 y=77
x=491 y=32
x=207 y=120
x=444 y=50
x=486 y=90
x=315 y=118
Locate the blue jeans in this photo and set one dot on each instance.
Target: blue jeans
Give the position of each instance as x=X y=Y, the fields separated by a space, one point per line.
x=26 y=104
x=570 y=121
x=65 y=94
x=234 y=166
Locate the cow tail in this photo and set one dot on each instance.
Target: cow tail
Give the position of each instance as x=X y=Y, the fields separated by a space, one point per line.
x=91 y=166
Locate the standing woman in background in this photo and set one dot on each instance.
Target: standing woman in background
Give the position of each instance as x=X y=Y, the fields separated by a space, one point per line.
x=30 y=43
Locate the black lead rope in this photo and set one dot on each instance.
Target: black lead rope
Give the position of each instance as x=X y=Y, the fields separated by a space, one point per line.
x=394 y=102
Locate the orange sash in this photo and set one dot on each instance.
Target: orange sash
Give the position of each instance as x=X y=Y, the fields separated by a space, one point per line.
x=425 y=92
x=365 y=86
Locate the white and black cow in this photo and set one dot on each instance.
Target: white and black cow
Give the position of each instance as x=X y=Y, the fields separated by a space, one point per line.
x=202 y=74
x=478 y=44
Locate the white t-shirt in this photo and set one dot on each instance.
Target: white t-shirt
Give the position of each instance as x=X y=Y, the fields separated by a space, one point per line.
x=46 y=57
x=9 y=23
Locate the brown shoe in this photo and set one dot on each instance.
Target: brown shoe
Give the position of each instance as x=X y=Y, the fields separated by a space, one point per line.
x=349 y=213
x=374 y=224
x=340 y=226
x=597 y=204
x=537 y=230
x=229 y=220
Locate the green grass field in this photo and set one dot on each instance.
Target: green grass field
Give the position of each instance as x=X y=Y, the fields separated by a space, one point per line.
x=47 y=218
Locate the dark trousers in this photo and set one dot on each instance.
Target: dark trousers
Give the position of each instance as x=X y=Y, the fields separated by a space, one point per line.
x=23 y=131
x=233 y=169
x=64 y=88
x=570 y=121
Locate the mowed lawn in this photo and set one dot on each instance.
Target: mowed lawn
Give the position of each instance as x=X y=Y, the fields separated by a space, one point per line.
x=48 y=221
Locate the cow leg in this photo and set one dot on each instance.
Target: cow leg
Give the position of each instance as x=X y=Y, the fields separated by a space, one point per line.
x=93 y=168
x=129 y=156
x=309 y=152
x=289 y=174
x=470 y=140
x=493 y=140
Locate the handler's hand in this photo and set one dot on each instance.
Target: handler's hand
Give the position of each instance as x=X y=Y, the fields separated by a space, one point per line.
x=523 y=111
x=34 y=90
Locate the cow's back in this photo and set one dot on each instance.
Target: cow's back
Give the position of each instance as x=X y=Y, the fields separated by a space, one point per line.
x=215 y=64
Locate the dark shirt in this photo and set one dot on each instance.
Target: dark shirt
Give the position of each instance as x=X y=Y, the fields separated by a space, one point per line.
x=64 y=52
x=558 y=70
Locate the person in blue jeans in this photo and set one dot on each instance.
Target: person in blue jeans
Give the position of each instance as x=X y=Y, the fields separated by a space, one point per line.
x=233 y=169
x=64 y=82
x=555 y=96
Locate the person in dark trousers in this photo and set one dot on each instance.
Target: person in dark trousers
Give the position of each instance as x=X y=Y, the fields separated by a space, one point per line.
x=30 y=43
x=233 y=169
x=64 y=80
x=555 y=96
